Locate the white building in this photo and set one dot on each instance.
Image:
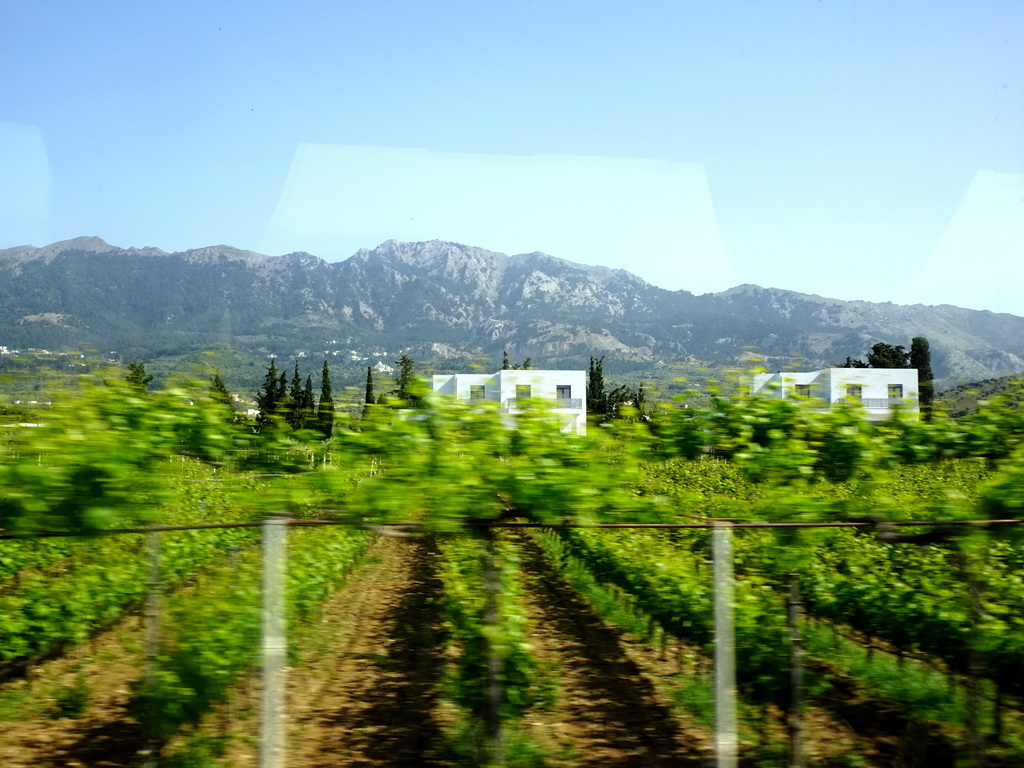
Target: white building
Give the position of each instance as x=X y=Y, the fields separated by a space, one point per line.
x=876 y=390
x=565 y=392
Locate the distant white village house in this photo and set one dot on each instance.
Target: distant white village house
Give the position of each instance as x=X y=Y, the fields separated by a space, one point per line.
x=877 y=390
x=564 y=392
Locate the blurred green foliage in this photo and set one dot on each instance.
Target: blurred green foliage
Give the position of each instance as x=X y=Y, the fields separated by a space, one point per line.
x=101 y=456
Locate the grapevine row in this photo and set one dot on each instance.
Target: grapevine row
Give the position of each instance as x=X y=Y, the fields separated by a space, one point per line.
x=211 y=634
x=677 y=593
x=106 y=577
x=495 y=678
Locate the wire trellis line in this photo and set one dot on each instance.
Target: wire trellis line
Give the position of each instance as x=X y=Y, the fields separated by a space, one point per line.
x=8 y=536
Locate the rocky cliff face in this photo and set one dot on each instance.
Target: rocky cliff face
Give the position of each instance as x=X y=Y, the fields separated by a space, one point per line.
x=85 y=293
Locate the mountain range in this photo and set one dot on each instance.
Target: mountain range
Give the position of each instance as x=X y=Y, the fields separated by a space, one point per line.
x=452 y=304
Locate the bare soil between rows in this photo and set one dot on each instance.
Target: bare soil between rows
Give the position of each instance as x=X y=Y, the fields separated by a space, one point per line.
x=608 y=711
x=103 y=734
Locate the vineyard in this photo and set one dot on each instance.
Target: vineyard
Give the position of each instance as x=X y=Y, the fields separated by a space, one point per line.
x=750 y=583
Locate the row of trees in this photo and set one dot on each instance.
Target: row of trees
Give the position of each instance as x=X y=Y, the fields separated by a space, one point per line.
x=889 y=356
x=278 y=400
x=294 y=402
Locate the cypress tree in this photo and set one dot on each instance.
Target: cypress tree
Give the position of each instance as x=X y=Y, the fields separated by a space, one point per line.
x=406 y=381
x=267 y=397
x=325 y=409
x=597 y=401
x=921 y=359
x=368 y=399
x=292 y=404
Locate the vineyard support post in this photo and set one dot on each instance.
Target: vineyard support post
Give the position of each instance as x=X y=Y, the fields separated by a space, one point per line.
x=274 y=642
x=725 y=650
x=796 y=672
x=154 y=600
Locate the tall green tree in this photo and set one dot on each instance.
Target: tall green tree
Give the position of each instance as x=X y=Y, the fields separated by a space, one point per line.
x=137 y=376
x=921 y=359
x=505 y=364
x=325 y=409
x=597 y=399
x=368 y=398
x=405 y=386
x=292 y=404
x=268 y=397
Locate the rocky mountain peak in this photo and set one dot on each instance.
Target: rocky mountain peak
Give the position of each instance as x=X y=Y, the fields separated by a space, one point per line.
x=90 y=244
x=46 y=254
x=434 y=254
x=214 y=253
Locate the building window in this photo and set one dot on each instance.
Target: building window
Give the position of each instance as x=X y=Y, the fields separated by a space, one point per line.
x=477 y=392
x=854 y=390
x=563 y=391
x=803 y=390
x=523 y=392
x=895 y=391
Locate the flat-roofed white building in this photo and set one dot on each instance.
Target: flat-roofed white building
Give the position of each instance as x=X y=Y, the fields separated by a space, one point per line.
x=877 y=390
x=565 y=392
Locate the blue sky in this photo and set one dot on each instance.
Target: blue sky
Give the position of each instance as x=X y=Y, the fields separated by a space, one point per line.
x=858 y=150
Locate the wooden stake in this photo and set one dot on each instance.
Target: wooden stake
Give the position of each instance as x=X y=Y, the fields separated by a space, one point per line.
x=726 y=751
x=154 y=602
x=274 y=642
